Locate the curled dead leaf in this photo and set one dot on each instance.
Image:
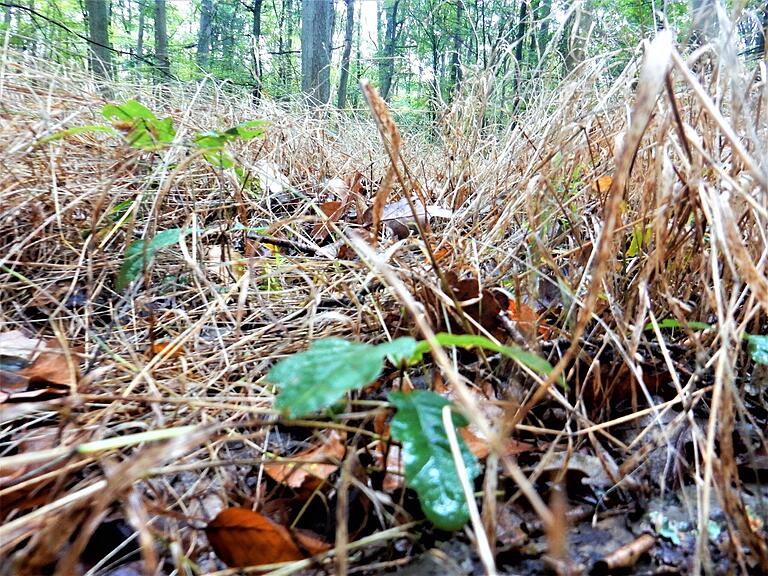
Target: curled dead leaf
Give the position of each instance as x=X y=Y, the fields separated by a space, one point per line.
x=310 y=467
x=242 y=537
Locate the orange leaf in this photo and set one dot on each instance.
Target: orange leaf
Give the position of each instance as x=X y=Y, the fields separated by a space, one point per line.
x=602 y=184
x=242 y=537
x=158 y=347
x=480 y=448
x=309 y=467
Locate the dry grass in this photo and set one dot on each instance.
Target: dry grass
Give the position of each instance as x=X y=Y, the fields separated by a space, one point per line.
x=529 y=215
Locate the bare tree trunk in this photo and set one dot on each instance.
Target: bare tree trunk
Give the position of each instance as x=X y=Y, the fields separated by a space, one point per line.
x=341 y=100
x=316 y=50
x=522 y=22
x=98 y=33
x=704 y=21
x=255 y=49
x=202 y=56
x=7 y=17
x=576 y=40
x=387 y=65
x=455 y=56
x=140 y=34
x=161 y=40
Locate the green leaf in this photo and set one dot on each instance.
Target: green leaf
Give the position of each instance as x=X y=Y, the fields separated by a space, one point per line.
x=672 y=323
x=219 y=158
x=75 y=130
x=468 y=341
x=248 y=130
x=140 y=253
x=429 y=466
x=127 y=112
x=758 y=348
x=210 y=139
x=399 y=351
x=147 y=131
x=315 y=379
x=640 y=239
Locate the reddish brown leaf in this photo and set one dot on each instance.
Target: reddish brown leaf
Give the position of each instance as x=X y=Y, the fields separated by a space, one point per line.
x=242 y=537
x=158 y=347
x=483 y=307
x=333 y=211
x=479 y=447
x=526 y=320
x=309 y=468
x=310 y=542
x=52 y=368
x=394 y=478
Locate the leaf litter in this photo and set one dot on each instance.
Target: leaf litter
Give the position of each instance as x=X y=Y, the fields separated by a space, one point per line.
x=631 y=273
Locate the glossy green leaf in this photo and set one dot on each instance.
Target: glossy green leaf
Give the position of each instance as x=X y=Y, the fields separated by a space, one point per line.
x=429 y=466
x=758 y=348
x=140 y=253
x=315 y=379
x=468 y=341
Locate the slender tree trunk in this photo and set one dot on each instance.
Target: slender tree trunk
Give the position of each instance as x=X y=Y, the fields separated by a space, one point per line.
x=576 y=38
x=341 y=100
x=288 y=59
x=704 y=21
x=98 y=32
x=161 y=41
x=522 y=21
x=455 y=56
x=358 y=53
x=140 y=34
x=256 y=49
x=387 y=65
x=202 y=56
x=541 y=12
x=7 y=17
x=316 y=50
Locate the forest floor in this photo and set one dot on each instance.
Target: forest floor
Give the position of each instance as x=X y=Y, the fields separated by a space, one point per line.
x=607 y=247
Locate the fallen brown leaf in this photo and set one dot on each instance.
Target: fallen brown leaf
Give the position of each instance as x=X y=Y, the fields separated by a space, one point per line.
x=242 y=537
x=309 y=468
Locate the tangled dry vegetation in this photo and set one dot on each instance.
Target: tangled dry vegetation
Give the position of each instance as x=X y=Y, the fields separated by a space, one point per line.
x=622 y=236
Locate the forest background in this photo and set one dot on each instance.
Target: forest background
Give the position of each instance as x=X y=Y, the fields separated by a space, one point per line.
x=417 y=52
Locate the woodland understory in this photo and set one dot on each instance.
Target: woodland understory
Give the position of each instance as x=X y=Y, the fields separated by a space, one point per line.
x=602 y=253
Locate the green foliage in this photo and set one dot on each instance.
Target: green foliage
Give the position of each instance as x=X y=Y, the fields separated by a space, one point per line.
x=140 y=254
x=74 y=131
x=672 y=323
x=315 y=379
x=640 y=239
x=214 y=142
x=143 y=129
x=758 y=348
x=469 y=341
x=429 y=466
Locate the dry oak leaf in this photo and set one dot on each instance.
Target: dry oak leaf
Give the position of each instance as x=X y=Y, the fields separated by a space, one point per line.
x=309 y=467
x=242 y=537
x=602 y=184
